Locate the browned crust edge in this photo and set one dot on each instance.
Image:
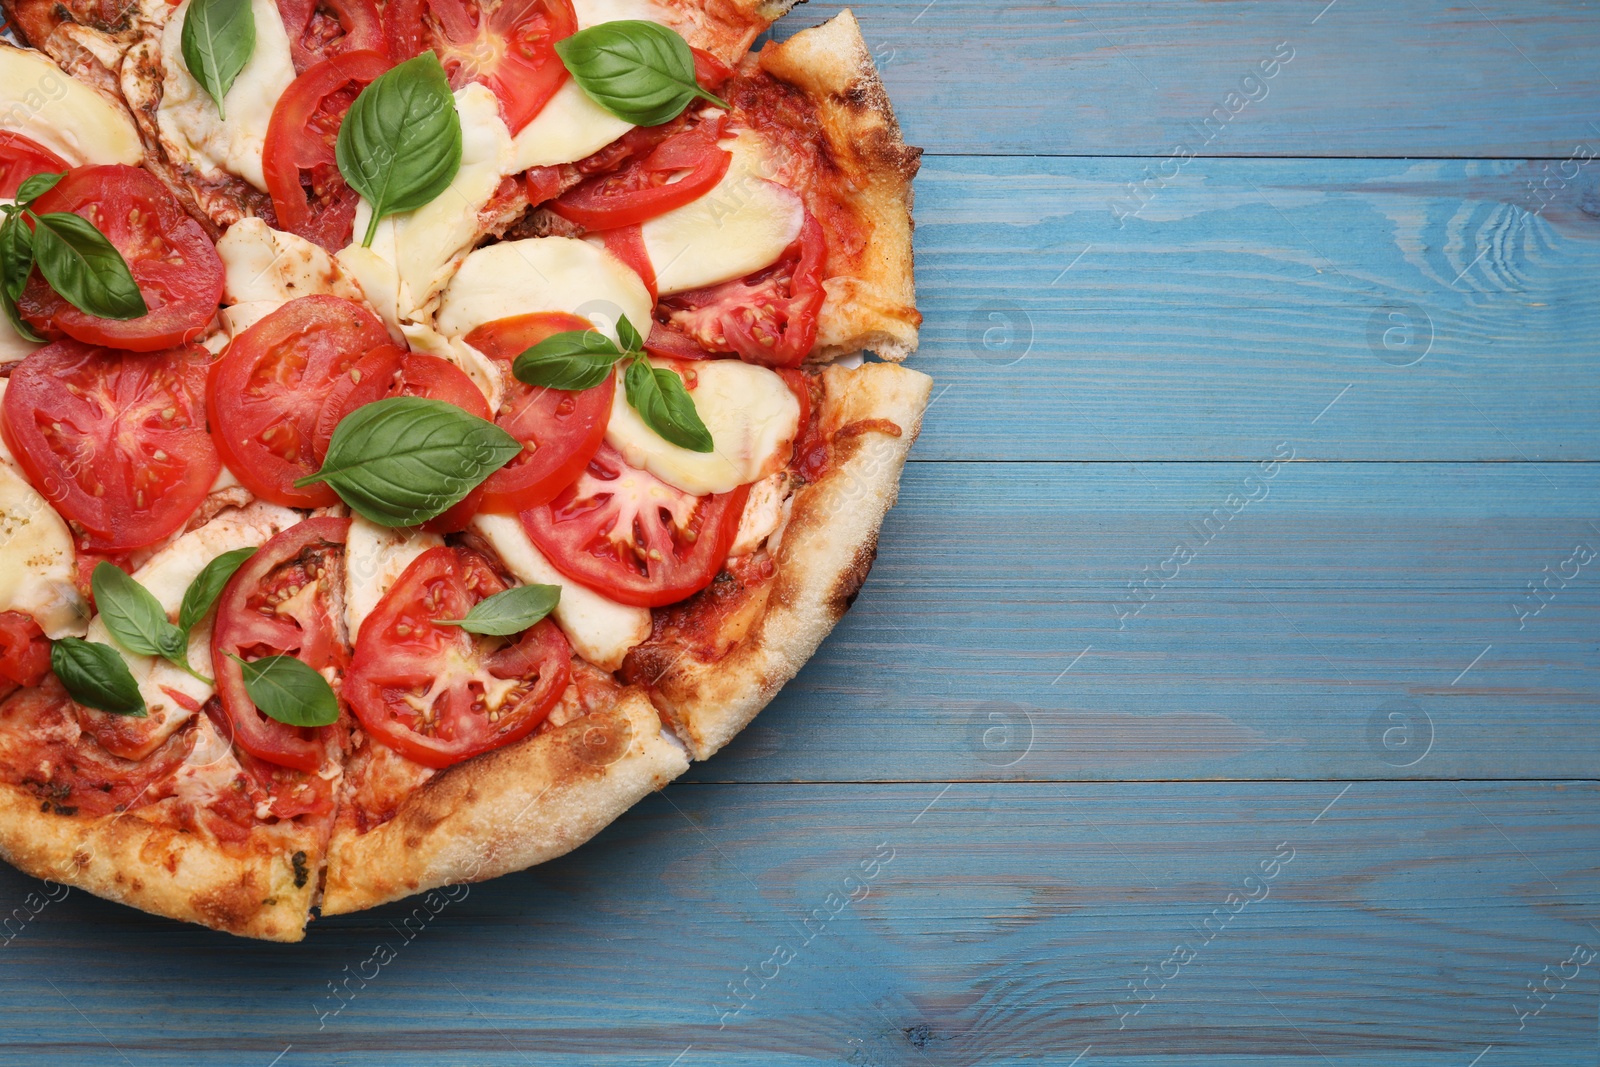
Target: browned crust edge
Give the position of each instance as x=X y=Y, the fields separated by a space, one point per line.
x=507 y=809
x=827 y=548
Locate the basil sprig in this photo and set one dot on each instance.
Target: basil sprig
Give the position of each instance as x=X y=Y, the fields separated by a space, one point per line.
x=287 y=690
x=218 y=38
x=408 y=459
x=76 y=259
x=96 y=676
x=641 y=72
x=510 y=612
x=581 y=359
x=137 y=621
x=208 y=585
x=400 y=144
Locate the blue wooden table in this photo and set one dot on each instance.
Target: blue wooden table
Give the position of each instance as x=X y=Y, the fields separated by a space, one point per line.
x=1228 y=687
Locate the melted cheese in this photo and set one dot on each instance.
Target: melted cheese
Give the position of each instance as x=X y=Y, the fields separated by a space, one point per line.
x=544 y=274
x=263 y=264
x=188 y=119
x=765 y=513
x=44 y=105
x=37 y=549
x=601 y=630
x=413 y=254
x=743 y=224
x=374 y=557
x=752 y=416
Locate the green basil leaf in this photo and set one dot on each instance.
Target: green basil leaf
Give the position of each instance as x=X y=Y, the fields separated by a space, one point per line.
x=631 y=341
x=510 y=612
x=16 y=263
x=14 y=317
x=36 y=186
x=133 y=616
x=408 y=459
x=665 y=406
x=208 y=585
x=96 y=676
x=85 y=268
x=400 y=144
x=577 y=359
x=218 y=38
x=641 y=72
x=284 y=689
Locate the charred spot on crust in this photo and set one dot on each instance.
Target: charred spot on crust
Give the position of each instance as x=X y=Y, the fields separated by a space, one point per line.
x=852 y=578
x=229 y=907
x=302 y=872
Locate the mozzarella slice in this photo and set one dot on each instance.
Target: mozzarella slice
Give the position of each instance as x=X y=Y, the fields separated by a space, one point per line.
x=42 y=104
x=752 y=416
x=188 y=118
x=238 y=318
x=544 y=274
x=167 y=575
x=601 y=630
x=417 y=251
x=37 y=548
x=374 y=557
x=261 y=264
x=743 y=224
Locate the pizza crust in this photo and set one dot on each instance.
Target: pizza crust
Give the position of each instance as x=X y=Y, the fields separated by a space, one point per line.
x=871 y=295
x=507 y=809
x=827 y=548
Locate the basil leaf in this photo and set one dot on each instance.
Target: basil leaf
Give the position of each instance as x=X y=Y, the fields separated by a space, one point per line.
x=218 y=37
x=577 y=359
x=631 y=341
x=641 y=72
x=400 y=144
x=408 y=459
x=208 y=585
x=96 y=676
x=36 y=186
x=85 y=268
x=665 y=406
x=284 y=689
x=510 y=612
x=133 y=616
x=16 y=263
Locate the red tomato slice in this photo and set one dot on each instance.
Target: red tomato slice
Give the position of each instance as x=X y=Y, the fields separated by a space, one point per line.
x=22 y=158
x=268 y=391
x=321 y=29
x=24 y=650
x=511 y=49
x=625 y=533
x=422 y=688
x=280 y=603
x=439 y=379
x=644 y=189
x=769 y=318
x=559 y=430
x=309 y=194
x=173 y=261
x=115 y=441
x=372 y=377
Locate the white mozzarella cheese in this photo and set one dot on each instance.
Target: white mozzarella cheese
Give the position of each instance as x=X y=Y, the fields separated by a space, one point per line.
x=752 y=416
x=765 y=513
x=167 y=575
x=188 y=118
x=601 y=630
x=743 y=224
x=13 y=347
x=263 y=264
x=37 y=549
x=418 y=251
x=44 y=105
x=544 y=274
x=237 y=318
x=374 y=557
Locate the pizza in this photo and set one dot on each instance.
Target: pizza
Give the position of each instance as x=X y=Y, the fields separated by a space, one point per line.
x=427 y=425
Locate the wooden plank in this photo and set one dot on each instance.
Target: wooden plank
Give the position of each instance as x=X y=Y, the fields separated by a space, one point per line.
x=1106 y=77
x=1325 y=630
x=1446 y=305
x=997 y=924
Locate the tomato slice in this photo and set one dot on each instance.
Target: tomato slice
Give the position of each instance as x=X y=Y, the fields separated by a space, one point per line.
x=769 y=318
x=625 y=533
x=372 y=377
x=288 y=792
x=559 y=430
x=439 y=379
x=644 y=189
x=321 y=29
x=24 y=649
x=115 y=441
x=309 y=194
x=280 y=603
x=268 y=390
x=21 y=158
x=429 y=691
x=510 y=48
x=173 y=261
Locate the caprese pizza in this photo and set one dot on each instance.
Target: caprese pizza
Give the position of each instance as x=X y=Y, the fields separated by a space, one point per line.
x=428 y=425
